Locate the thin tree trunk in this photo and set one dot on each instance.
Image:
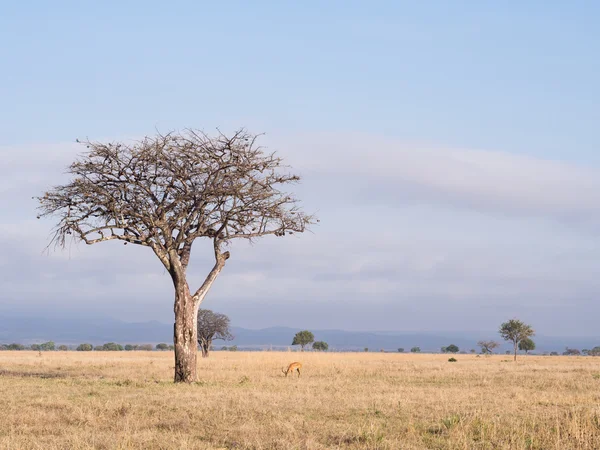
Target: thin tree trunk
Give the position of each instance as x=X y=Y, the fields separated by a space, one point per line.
x=185 y=336
x=515 y=351
x=205 y=347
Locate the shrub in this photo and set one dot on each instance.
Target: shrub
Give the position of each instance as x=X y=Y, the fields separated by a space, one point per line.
x=111 y=347
x=400 y=350
x=15 y=346
x=84 y=348
x=162 y=346
x=63 y=348
x=48 y=346
x=452 y=360
x=320 y=346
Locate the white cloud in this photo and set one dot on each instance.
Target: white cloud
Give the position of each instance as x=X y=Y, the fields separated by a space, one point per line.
x=484 y=180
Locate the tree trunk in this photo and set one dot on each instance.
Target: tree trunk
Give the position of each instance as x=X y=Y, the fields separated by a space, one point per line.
x=185 y=335
x=205 y=347
x=515 y=351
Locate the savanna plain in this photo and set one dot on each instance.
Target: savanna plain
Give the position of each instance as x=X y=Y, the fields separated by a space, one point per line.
x=126 y=400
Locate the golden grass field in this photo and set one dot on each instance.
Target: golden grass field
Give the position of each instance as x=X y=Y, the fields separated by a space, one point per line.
x=126 y=400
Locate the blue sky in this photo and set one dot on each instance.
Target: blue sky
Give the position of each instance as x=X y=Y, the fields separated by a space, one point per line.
x=464 y=134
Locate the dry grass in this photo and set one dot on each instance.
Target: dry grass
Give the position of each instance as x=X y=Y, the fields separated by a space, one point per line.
x=361 y=401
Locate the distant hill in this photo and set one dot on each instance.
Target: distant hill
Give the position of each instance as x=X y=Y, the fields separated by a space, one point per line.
x=28 y=330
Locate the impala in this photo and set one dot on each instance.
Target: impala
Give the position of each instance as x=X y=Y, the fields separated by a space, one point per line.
x=293 y=366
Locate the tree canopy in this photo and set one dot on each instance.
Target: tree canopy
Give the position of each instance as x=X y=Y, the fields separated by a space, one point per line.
x=303 y=338
x=488 y=347
x=320 y=346
x=526 y=345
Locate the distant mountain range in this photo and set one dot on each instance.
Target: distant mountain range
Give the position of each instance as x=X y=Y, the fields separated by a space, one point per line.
x=28 y=330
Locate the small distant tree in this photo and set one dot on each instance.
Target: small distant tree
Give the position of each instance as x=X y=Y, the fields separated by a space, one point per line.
x=15 y=346
x=99 y=348
x=84 y=348
x=473 y=350
x=415 y=350
x=444 y=349
x=171 y=347
x=63 y=348
x=303 y=338
x=526 y=345
x=571 y=352
x=145 y=347
x=400 y=350
x=488 y=347
x=233 y=348
x=320 y=346
x=129 y=348
x=112 y=347
x=162 y=346
x=35 y=347
x=585 y=351
x=224 y=348
x=48 y=346
x=553 y=353
x=515 y=331
x=366 y=349
x=595 y=351
x=212 y=326
x=452 y=349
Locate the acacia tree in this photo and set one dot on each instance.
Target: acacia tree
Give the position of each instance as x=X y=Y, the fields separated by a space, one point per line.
x=488 y=347
x=526 y=345
x=166 y=191
x=212 y=326
x=303 y=338
x=515 y=331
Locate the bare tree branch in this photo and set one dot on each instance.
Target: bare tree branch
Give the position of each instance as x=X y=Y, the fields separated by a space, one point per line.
x=166 y=191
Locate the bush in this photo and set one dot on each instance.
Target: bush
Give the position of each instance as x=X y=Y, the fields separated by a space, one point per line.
x=162 y=346
x=84 y=348
x=320 y=346
x=145 y=347
x=112 y=347
x=15 y=346
x=452 y=360
x=63 y=348
x=400 y=350
x=48 y=346
x=129 y=347
x=415 y=350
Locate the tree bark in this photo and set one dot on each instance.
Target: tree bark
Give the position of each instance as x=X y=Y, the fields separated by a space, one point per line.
x=515 y=351
x=185 y=335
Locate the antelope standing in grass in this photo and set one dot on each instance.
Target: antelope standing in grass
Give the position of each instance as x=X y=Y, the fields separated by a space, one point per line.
x=293 y=366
